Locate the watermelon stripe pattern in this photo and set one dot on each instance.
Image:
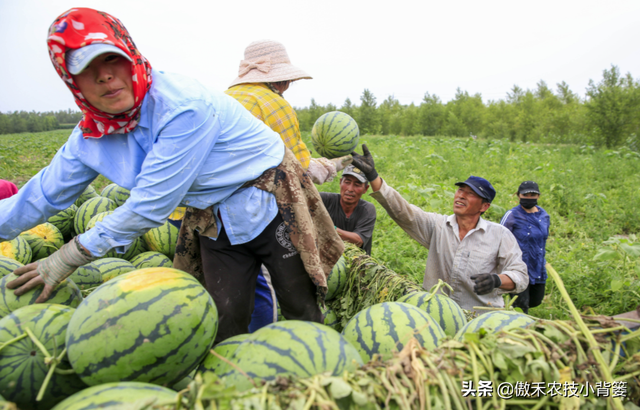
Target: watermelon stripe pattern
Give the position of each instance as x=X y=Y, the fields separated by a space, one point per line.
x=116 y=193
x=88 y=193
x=44 y=240
x=111 y=267
x=495 y=321
x=90 y=209
x=118 y=395
x=442 y=309
x=337 y=279
x=18 y=249
x=385 y=328
x=335 y=134
x=151 y=260
x=226 y=348
x=162 y=239
x=294 y=348
x=152 y=325
x=8 y=265
x=64 y=221
x=22 y=366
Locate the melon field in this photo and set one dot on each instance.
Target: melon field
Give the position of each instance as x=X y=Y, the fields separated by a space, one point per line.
x=129 y=331
x=592 y=196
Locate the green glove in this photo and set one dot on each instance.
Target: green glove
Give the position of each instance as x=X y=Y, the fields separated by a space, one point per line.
x=365 y=163
x=50 y=271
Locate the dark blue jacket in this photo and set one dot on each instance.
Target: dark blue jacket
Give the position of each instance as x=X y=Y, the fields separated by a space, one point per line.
x=531 y=232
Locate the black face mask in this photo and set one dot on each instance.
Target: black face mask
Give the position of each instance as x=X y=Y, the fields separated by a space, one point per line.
x=528 y=203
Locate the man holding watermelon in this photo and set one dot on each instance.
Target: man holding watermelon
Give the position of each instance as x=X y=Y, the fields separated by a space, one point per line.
x=481 y=260
x=171 y=142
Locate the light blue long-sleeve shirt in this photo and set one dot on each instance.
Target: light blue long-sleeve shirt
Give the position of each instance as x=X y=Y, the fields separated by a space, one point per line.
x=192 y=147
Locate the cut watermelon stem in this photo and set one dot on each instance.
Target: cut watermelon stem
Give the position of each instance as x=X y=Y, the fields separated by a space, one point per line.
x=12 y=341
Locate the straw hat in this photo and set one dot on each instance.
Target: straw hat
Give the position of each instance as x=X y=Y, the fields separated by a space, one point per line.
x=267 y=61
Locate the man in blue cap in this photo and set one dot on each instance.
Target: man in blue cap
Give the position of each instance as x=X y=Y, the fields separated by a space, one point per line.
x=481 y=260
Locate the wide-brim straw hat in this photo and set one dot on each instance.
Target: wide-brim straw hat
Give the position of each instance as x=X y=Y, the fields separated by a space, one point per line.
x=267 y=61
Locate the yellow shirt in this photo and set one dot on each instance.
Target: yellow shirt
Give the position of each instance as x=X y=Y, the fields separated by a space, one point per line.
x=274 y=111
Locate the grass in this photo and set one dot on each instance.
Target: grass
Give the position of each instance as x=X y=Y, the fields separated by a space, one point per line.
x=591 y=195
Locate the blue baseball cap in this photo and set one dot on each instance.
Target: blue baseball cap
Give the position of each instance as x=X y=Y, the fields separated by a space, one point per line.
x=79 y=58
x=480 y=186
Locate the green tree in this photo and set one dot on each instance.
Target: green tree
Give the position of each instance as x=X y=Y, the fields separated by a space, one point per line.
x=612 y=106
x=390 y=116
x=368 y=118
x=432 y=115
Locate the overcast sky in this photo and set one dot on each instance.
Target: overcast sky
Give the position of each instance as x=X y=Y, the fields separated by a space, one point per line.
x=400 y=48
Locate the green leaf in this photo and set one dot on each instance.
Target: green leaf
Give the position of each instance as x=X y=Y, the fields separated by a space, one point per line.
x=616 y=285
x=606 y=255
x=631 y=250
x=359 y=398
x=339 y=388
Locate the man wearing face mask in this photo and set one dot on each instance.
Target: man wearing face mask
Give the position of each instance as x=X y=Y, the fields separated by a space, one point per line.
x=530 y=225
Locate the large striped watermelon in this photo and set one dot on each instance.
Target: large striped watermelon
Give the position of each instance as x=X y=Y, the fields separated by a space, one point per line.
x=335 y=134
x=44 y=240
x=17 y=249
x=495 y=321
x=111 y=267
x=162 y=239
x=151 y=260
x=444 y=310
x=337 y=279
x=295 y=348
x=151 y=325
x=22 y=363
x=116 y=193
x=64 y=222
x=88 y=193
x=90 y=209
x=226 y=348
x=386 y=327
x=8 y=265
x=124 y=395
x=95 y=219
x=66 y=293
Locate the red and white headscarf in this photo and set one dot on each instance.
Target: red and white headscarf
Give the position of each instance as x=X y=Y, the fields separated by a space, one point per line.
x=80 y=27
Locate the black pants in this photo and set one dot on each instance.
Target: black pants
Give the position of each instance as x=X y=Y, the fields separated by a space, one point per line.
x=531 y=297
x=231 y=272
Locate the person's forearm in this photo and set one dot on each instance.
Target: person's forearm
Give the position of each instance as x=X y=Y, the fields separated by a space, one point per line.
x=507 y=283
x=376 y=184
x=350 y=237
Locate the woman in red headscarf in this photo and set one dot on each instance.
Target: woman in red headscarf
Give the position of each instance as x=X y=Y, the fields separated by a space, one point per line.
x=7 y=189
x=172 y=142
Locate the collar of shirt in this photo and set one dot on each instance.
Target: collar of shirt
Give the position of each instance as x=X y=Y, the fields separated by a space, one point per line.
x=453 y=222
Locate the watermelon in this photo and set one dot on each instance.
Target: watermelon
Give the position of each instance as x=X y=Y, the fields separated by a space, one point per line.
x=444 y=310
x=162 y=239
x=8 y=265
x=386 y=327
x=87 y=276
x=111 y=267
x=337 y=279
x=151 y=325
x=116 y=193
x=66 y=293
x=335 y=134
x=44 y=240
x=330 y=318
x=151 y=260
x=64 y=222
x=90 y=209
x=129 y=395
x=226 y=348
x=95 y=219
x=22 y=366
x=291 y=348
x=17 y=249
x=495 y=321
x=88 y=193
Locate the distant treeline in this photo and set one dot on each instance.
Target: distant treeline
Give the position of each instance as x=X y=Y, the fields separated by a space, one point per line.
x=23 y=121
x=608 y=115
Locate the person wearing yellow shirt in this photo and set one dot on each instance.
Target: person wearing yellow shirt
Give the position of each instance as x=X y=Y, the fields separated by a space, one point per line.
x=264 y=75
